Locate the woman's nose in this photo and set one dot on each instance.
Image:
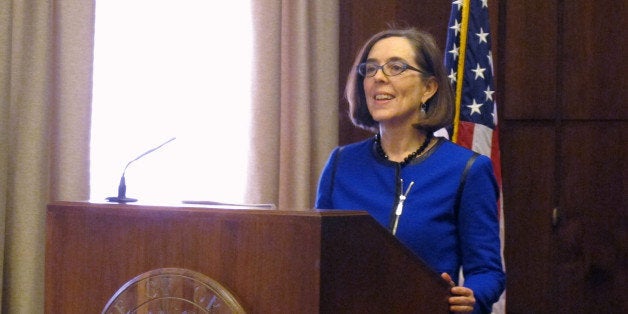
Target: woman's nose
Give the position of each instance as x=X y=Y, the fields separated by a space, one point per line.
x=379 y=75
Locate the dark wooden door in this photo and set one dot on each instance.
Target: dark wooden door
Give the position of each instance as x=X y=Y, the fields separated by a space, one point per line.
x=561 y=93
x=563 y=141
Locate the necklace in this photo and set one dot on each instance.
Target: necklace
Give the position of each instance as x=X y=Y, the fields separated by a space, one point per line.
x=414 y=154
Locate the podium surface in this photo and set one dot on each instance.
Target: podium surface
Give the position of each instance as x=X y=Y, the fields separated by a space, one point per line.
x=274 y=261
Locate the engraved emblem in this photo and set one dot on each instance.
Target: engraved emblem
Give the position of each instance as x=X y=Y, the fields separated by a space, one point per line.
x=172 y=290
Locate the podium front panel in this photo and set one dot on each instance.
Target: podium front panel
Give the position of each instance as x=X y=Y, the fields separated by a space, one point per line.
x=274 y=261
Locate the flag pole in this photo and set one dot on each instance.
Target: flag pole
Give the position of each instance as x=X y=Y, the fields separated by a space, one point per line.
x=466 y=7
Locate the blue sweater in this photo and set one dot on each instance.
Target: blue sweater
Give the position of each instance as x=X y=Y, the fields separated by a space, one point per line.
x=357 y=177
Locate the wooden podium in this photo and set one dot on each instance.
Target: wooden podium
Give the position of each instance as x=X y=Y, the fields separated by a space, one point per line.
x=274 y=261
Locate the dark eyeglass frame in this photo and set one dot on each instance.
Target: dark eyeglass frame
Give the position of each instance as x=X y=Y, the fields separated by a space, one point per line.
x=385 y=68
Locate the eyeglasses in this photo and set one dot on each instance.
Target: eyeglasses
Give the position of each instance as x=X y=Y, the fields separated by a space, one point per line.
x=390 y=68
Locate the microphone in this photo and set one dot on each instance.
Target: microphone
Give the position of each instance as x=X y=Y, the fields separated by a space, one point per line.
x=121 y=198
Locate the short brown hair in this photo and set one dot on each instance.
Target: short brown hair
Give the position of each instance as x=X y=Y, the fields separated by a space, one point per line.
x=440 y=106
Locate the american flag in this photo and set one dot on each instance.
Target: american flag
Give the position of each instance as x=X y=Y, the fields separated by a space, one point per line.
x=469 y=63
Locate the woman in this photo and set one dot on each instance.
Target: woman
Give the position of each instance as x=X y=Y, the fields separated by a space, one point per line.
x=411 y=181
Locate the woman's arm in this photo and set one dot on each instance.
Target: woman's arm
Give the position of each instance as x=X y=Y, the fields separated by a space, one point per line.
x=478 y=231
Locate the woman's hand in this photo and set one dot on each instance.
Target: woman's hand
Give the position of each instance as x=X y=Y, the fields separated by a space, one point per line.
x=462 y=299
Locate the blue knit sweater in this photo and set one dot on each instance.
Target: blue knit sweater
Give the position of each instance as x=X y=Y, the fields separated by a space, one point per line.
x=357 y=177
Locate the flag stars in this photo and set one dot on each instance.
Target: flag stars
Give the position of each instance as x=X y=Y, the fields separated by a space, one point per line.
x=475 y=107
x=454 y=51
x=452 y=76
x=458 y=3
x=482 y=36
x=485 y=3
x=479 y=71
x=489 y=93
x=456 y=27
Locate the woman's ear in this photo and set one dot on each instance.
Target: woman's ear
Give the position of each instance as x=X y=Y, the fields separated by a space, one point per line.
x=431 y=87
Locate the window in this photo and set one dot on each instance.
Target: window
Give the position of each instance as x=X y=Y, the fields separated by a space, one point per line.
x=168 y=69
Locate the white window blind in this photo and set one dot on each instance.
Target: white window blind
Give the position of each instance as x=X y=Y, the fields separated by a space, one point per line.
x=168 y=69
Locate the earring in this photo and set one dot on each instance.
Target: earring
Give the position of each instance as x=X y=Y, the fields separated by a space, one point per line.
x=423 y=108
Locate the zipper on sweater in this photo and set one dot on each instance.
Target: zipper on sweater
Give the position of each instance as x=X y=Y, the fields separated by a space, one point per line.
x=399 y=200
